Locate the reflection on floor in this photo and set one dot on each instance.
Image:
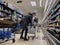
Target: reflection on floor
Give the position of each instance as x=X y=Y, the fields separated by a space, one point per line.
x=38 y=41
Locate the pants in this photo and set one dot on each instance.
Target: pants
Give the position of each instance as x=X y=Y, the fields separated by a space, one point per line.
x=26 y=31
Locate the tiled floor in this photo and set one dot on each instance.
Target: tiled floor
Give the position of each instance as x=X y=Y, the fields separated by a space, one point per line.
x=39 y=41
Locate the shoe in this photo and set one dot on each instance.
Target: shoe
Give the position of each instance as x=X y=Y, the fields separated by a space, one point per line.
x=25 y=39
x=21 y=38
x=13 y=40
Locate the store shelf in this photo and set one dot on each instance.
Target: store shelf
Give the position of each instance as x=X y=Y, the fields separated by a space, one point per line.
x=5 y=12
x=6 y=7
x=57 y=26
x=57 y=30
x=53 y=21
x=18 y=13
x=54 y=15
x=58 y=20
x=2 y=16
x=50 y=39
x=9 y=9
x=55 y=10
x=53 y=26
x=53 y=39
x=6 y=23
x=50 y=26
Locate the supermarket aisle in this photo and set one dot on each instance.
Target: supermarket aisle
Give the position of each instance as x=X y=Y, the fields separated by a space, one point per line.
x=37 y=41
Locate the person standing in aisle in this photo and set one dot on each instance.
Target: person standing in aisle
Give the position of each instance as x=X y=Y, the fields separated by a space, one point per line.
x=26 y=20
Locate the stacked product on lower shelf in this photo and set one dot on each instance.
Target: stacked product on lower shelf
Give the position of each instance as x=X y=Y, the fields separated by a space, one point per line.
x=5 y=33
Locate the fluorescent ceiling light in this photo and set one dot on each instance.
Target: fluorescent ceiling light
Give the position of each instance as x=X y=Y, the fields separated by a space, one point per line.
x=46 y=4
x=33 y=3
x=40 y=3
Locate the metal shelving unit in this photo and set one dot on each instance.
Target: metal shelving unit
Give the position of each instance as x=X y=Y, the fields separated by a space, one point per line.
x=8 y=23
x=53 y=22
x=55 y=10
x=52 y=39
x=54 y=15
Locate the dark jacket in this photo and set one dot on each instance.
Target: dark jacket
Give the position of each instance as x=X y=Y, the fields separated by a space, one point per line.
x=26 y=20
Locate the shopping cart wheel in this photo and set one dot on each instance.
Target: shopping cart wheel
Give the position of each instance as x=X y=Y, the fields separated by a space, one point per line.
x=13 y=40
x=28 y=37
x=33 y=37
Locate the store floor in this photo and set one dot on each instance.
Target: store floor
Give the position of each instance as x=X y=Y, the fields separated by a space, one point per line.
x=38 y=41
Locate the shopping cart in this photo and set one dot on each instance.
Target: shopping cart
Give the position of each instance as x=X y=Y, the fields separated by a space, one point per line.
x=31 y=32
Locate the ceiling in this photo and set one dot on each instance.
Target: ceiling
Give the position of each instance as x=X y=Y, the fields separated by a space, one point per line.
x=26 y=7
